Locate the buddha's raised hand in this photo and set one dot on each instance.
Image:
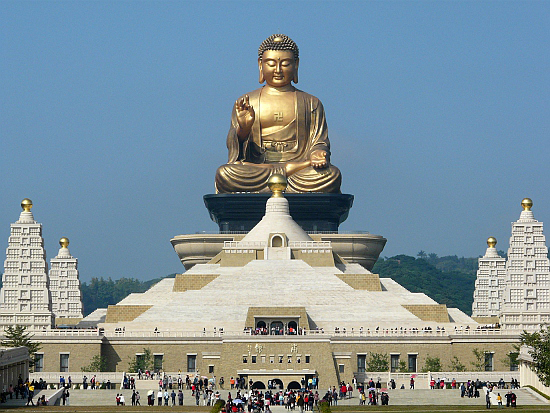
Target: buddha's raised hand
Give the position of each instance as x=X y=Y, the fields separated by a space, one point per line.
x=245 y=116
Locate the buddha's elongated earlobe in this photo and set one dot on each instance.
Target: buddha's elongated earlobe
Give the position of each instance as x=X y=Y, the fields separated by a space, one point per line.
x=262 y=79
x=295 y=79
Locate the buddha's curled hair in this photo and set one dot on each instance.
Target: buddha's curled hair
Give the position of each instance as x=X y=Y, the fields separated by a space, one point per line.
x=278 y=42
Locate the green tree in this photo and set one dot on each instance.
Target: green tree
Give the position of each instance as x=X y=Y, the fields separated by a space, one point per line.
x=18 y=336
x=422 y=254
x=403 y=367
x=453 y=284
x=539 y=349
x=480 y=362
x=377 y=362
x=432 y=364
x=97 y=363
x=456 y=365
x=141 y=362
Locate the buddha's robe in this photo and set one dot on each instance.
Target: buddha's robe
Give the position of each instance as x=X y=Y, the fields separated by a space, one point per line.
x=252 y=161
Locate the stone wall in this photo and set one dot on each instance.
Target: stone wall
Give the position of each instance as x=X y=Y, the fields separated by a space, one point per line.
x=370 y=282
x=120 y=313
x=429 y=312
x=80 y=351
x=184 y=282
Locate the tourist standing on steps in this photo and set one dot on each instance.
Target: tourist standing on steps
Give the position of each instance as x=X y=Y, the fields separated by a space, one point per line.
x=412 y=383
x=488 y=399
x=159 y=397
x=31 y=395
x=180 y=397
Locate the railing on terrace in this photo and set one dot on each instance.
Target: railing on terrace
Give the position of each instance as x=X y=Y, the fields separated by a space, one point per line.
x=244 y=244
x=318 y=333
x=309 y=232
x=309 y=244
x=64 y=332
x=76 y=376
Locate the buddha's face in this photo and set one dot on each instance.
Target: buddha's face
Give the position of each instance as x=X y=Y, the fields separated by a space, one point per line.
x=278 y=67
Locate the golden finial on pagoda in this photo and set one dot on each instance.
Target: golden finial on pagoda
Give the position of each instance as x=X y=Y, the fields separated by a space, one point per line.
x=527 y=204
x=64 y=242
x=277 y=183
x=26 y=204
x=491 y=242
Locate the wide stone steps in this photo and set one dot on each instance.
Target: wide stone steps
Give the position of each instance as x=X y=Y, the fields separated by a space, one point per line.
x=420 y=397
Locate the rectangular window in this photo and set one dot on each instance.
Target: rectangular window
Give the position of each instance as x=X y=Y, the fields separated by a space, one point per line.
x=245 y=359
x=341 y=368
x=412 y=363
x=271 y=359
x=514 y=361
x=210 y=369
x=308 y=358
x=361 y=363
x=157 y=362
x=191 y=363
x=394 y=363
x=254 y=359
x=488 y=361
x=263 y=359
x=64 y=362
x=38 y=362
x=280 y=359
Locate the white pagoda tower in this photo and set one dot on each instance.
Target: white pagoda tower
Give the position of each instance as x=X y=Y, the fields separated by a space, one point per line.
x=65 y=286
x=526 y=303
x=489 y=286
x=25 y=296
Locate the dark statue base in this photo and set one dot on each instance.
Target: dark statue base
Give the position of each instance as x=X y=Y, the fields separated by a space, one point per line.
x=313 y=212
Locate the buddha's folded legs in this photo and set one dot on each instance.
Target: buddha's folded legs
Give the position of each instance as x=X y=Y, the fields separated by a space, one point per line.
x=327 y=180
x=249 y=177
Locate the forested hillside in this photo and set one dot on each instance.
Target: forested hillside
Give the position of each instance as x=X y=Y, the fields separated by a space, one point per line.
x=100 y=293
x=448 y=280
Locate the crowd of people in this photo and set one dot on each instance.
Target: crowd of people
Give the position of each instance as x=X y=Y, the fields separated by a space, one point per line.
x=25 y=389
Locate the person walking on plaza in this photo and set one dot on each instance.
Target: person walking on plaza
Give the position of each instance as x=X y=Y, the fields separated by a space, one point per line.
x=137 y=399
x=499 y=401
x=173 y=395
x=180 y=397
x=488 y=399
x=412 y=383
x=159 y=397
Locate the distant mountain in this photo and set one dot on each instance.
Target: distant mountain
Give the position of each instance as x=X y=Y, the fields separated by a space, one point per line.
x=447 y=280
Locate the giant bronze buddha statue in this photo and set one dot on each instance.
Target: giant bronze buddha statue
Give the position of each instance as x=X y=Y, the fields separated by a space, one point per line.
x=278 y=129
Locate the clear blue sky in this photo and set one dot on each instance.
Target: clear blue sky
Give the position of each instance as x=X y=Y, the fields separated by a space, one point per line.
x=113 y=117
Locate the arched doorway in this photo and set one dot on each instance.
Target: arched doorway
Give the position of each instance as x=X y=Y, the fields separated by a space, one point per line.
x=261 y=324
x=278 y=384
x=258 y=385
x=294 y=326
x=294 y=385
x=276 y=328
x=277 y=241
